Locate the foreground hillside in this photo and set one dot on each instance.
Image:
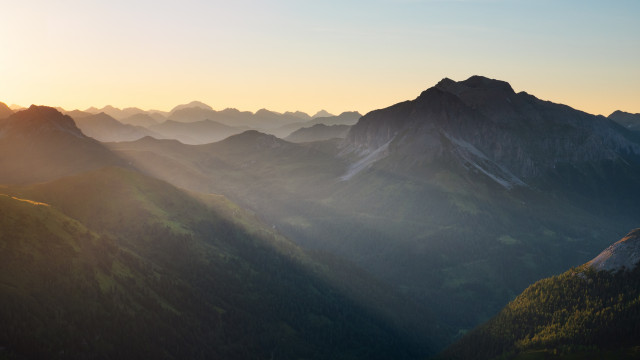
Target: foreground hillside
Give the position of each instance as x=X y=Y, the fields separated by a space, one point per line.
x=114 y=263
x=583 y=313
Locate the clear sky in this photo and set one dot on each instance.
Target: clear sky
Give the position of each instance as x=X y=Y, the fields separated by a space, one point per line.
x=310 y=55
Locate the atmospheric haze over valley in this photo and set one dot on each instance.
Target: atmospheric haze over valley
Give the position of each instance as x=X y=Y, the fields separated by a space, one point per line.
x=320 y=180
x=388 y=235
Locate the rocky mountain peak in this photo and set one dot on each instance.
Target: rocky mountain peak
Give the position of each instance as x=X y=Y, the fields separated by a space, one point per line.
x=628 y=120
x=490 y=129
x=40 y=119
x=252 y=139
x=624 y=254
x=477 y=83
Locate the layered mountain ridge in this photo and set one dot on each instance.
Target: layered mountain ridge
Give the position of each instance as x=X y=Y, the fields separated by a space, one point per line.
x=491 y=126
x=454 y=201
x=101 y=260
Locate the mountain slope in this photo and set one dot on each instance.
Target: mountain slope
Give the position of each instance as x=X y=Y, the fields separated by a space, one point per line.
x=40 y=144
x=586 y=312
x=196 y=132
x=262 y=119
x=142 y=119
x=628 y=120
x=59 y=280
x=5 y=111
x=318 y=132
x=346 y=118
x=105 y=128
x=203 y=282
x=115 y=112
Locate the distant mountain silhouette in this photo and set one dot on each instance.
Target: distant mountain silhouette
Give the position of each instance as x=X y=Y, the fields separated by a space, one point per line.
x=346 y=118
x=40 y=144
x=193 y=104
x=298 y=114
x=75 y=113
x=115 y=112
x=322 y=113
x=105 y=128
x=262 y=120
x=197 y=132
x=318 y=132
x=141 y=119
x=5 y=111
x=628 y=120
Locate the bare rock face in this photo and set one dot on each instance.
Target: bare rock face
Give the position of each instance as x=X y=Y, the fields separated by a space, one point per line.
x=624 y=254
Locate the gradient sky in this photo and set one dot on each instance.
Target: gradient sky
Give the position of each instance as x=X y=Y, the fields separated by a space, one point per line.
x=310 y=55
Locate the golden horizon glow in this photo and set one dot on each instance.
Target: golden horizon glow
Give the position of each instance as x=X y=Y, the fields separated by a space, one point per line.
x=296 y=55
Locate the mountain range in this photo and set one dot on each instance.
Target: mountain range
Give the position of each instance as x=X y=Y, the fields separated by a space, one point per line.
x=192 y=123
x=451 y=197
x=106 y=260
x=318 y=132
x=421 y=221
x=5 y=111
x=105 y=128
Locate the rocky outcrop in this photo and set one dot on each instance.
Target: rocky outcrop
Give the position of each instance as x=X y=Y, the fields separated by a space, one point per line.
x=624 y=254
x=628 y=120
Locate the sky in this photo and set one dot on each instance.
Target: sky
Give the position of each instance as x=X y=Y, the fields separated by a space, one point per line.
x=287 y=55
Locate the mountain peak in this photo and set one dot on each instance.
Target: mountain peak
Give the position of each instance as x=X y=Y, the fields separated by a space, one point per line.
x=5 y=111
x=265 y=112
x=37 y=119
x=475 y=82
x=322 y=113
x=251 y=140
x=193 y=104
x=624 y=254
